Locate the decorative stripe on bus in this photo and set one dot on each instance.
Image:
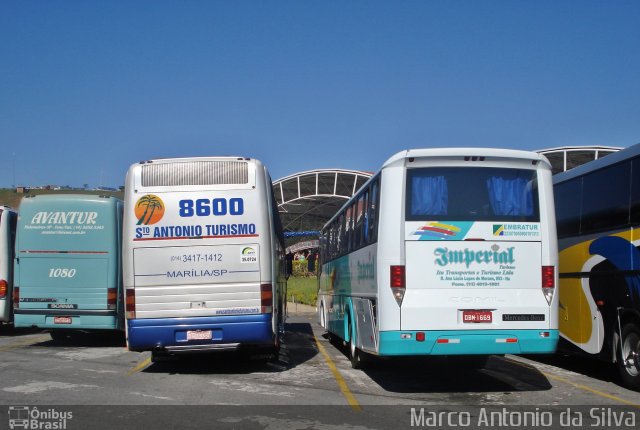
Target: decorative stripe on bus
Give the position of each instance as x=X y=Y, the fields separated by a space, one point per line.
x=64 y=252
x=195 y=237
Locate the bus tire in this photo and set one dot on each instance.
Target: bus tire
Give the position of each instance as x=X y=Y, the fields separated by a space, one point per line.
x=629 y=358
x=356 y=356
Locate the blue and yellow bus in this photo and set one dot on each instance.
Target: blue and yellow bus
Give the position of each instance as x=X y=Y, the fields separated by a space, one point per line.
x=598 y=216
x=68 y=273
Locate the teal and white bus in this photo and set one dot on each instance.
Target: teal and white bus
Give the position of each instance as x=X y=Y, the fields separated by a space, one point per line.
x=444 y=252
x=8 y=218
x=203 y=256
x=68 y=274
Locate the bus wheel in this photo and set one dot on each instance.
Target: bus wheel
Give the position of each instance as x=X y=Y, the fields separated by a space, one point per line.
x=629 y=358
x=355 y=355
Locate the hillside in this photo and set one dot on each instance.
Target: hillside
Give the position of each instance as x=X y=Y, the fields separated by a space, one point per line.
x=9 y=197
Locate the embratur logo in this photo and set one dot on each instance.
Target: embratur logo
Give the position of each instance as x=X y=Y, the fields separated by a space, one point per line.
x=498 y=230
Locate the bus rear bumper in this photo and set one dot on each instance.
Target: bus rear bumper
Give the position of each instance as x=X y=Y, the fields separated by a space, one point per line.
x=395 y=343
x=107 y=321
x=227 y=332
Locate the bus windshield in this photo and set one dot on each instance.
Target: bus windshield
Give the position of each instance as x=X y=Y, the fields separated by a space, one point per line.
x=472 y=194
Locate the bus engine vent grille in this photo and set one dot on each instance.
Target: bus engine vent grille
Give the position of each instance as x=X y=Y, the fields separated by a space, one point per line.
x=195 y=173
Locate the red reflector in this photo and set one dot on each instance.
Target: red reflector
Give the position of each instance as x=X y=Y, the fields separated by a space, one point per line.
x=420 y=336
x=397 y=277
x=131 y=303
x=4 y=287
x=16 y=297
x=266 y=295
x=600 y=303
x=112 y=296
x=548 y=277
x=512 y=340
x=443 y=341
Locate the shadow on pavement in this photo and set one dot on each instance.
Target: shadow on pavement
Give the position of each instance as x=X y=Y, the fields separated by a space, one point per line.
x=450 y=374
x=297 y=348
x=85 y=339
x=587 y=366
x=8 y=330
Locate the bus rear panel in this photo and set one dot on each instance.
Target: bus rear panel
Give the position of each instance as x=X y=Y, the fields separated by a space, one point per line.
x=67 y=265
x=198 y=256
x=479 y=267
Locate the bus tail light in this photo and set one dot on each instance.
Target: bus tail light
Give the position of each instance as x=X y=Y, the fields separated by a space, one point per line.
x=4 y=288
x=16 y=297
x=266 y=298
x=398 y=283
x=112 y=298
x=131 y=303
x=548 y=282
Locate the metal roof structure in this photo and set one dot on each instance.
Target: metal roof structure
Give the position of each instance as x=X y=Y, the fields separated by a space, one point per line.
x=567 y=157
x=307 y=200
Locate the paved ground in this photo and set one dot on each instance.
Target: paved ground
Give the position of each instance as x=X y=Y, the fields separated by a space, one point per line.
x=311 y=385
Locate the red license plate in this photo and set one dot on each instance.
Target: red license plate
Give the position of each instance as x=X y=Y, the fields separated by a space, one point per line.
x=62 y=320
x=477 y=316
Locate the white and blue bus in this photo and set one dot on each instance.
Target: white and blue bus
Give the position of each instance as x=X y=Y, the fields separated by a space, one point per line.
x=444 y=252
x=203 y=256
x=8 y=220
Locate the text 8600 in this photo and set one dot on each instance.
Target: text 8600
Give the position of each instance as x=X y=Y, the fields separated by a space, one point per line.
x=207 y=207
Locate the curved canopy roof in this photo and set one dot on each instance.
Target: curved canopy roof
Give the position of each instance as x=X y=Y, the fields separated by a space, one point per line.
x=567 y=157
x=307 y=200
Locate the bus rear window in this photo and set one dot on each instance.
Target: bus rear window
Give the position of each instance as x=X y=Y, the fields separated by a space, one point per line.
x=472 y=194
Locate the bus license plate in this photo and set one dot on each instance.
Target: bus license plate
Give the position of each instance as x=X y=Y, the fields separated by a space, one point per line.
x=199 y=334
x=62 y=320
x=477 y=316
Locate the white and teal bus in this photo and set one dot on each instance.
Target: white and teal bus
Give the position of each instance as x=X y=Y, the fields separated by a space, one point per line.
x=203 y=256
x=68 y=276
x=8 y=219
x=444 y=252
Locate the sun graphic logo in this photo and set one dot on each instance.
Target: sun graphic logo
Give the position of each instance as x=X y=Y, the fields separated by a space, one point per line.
x=149 y=209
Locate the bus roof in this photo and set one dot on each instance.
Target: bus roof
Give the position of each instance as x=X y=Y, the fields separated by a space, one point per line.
x=74 y=197
x=187 y=159
x=600 y=163
x=466 y=152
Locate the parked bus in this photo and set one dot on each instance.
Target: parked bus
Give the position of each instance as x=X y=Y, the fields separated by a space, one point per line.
x=203 y=256
x=8 y=219
x=444 y=252
x=68 y=274
x=598 y=215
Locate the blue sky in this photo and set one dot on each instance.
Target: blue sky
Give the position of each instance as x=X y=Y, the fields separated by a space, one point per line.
x=89 y=87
